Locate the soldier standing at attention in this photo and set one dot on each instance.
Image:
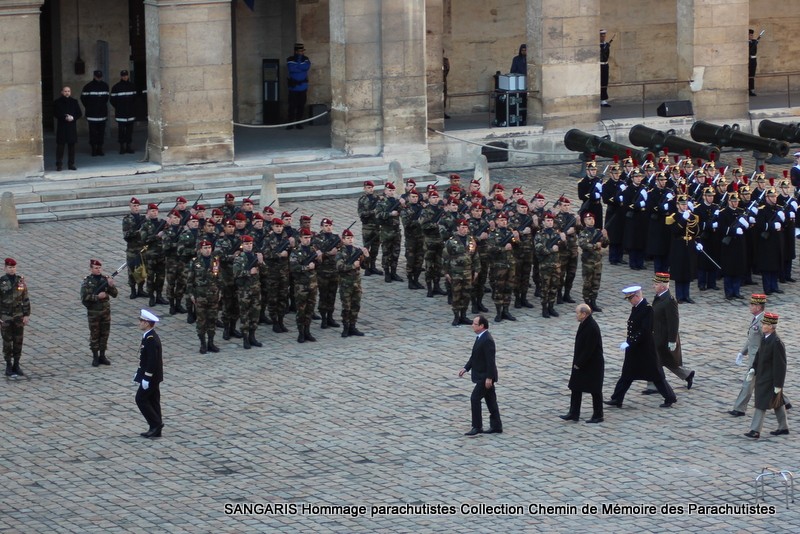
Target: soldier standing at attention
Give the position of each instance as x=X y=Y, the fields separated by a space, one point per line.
x=187 y=250
x=15 y=311
x=227 y=246
x=605 y=55
x=246 y=275
x=523 y=253
x=429 y=219
x=752 y=46
x=547 y=244
x=590 y=192
x=96 y=291
x=203 y=288
x=94 y=98
x=277 y=247
x=461 y=266
x=171 y=264
x=131 y=224
x=415 y=242
x=123 y=99
x=152 y=233
x=388 y=214
x=591 y=241
x=370 y=230
x=502 y=242
x=327 y=276
x=348 y=263
x=567 y=222
x=302 y=264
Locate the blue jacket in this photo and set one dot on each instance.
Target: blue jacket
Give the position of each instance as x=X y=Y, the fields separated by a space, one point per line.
x=298 y=72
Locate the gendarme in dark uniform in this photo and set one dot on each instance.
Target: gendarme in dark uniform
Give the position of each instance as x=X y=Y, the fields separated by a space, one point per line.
x=94 y=98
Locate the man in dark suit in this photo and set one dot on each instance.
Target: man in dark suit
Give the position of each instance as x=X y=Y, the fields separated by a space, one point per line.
x=641 y=361
x=588 y=367
x=484 y=376
x=149 y=375
x=769 y=370
x=66 y=111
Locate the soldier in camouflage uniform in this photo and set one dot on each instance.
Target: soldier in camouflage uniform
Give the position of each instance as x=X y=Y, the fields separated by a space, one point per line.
x=370 y=230
x=302 y=264
x=187 y=251
x=388 y=215
x=537 y=212
x=277 y=248
x=447 y=229
x=96 y=291
x=15 y=312
x=429 y=221
x=591 y=241
x=547 y=244
x=203 y=289
x=415 y=241
x=131 y=224
x=227 y=247
x=479 y=227
x=327 y=275
x=348 y=263
x=172 y=266
x=229 y=207
x=461 y=267
x=152 y=233
x=502 y=242
x=248 y=289
x=567 y=222
x=523 y=253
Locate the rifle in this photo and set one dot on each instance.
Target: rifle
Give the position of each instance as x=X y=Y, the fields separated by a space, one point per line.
x=283 y=246
x=293 y=212
x=596 y=237
x=557 y=202
x=357 y=253
x=251 y=194
x=735 y=226
x=553 y=241
x=102 y=285
x=311 y=257
x=271 y=203
x=196 y=202
x=417 y=213
x=525 y=222
x=534 y=196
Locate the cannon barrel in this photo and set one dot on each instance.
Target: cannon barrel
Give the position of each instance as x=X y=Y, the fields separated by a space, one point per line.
x=776 y=130
x=726 y=135
x=580 y=141
x=655 y=140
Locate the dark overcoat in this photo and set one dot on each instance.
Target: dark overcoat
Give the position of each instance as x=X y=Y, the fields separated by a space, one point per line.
x=666 y=323
x=641 y=361
x=588 y=357
x=66 y=132
x=770 y=366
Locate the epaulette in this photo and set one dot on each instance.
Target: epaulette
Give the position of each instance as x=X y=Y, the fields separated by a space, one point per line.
x=670 y=219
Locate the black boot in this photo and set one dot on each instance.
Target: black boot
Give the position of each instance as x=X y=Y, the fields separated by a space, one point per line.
x=191 y=315
x=396 y=277
x=559 y=298
x=507 y=314
x=160 y=299
x=345 y=328
x=331 y=321
x=552 y=310
x=140 y=292
x=15 y=368
x=235 y=333
x=179 y=307
x=415 y=280
x=374 y=269
x=253 y=341
x=456 y=318
x=309 y=337
x=262 y=317
x=324 y=322
x=276 y=326
x=203 y=346
x=211 y=346
x=545 y=311
x=524 y=300
x=245 y=340
x=133 y=291
x=152 y=301
x=595 y=308
x=9 y=369
x=437 y=288
x=387 y=276
x=281 y=325
x=481 y=307
x=353 y=331
x=429 y=286
x=292 y=304
x=95 y=359
x=301 y=333
x=517 y=302
x=103 y=359
x=315 y=316
x=463 y=317
x=567 y=298
x=226 y=331
x=449 y=295
x=172 y=306
x=499 y=317
x=475 y=305
x=537 y=292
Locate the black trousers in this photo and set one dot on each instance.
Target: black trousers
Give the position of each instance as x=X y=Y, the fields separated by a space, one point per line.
x=624 y=384
x=149 y=403
x=603 y=82
x=575 y=404
x=751 y=74
x=480 y=392
x=97 y=132
x=70 y=154
x=125 y=132
x=297 y=104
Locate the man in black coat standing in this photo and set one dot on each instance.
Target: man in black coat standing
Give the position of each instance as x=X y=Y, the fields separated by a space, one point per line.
x=95 y=100
x=641 y=361
x=149 y=375
x=66 y=111
x=123 y=98
x=484 y=376
x=588 y=367
x=769 y=369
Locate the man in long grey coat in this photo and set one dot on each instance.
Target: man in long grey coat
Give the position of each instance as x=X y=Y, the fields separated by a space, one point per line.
x=769 y=372
x=588 y=367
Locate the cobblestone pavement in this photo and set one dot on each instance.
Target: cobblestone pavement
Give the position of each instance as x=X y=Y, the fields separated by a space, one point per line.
x=369 y=421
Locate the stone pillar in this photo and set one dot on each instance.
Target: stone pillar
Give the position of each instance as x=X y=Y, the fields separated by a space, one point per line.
x=189 y=81
x=434 y=22
x=563 y=62
x=21 y=143
x=712 y=51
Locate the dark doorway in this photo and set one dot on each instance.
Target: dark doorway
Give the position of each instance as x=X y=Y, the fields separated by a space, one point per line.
x=138 y=57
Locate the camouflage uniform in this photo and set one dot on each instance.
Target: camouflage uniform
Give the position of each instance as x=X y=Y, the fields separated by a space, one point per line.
x=227 y=246
x=349 y=287
x=415 y=243
x=172 y=266
x=305 y=288
x=523 y=257
x=277 y=278
x=370 y=230
x=327 y=275
x=502 y=272
x=248 y=291
x=447 y=229
x=390 y=236
x=187 y=250
x=568 y=256
x=429 y=221
x=549 y=268
x=154 y=258
x=478 y=226
x=461 y=262
x=131 y=224
x=14 y=306
x=203 y=284
x=99 y=313
x=591 y=263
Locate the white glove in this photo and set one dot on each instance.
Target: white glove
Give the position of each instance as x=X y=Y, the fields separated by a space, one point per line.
x=743 y=222
x=620 y=199
x=670 y=196
x=624 y=345
x=793 y=204
x=666 y=207
x=781 y=216
x=597 y=196
x=777 y=390
x=791 y=215
x=698 y=246
x=686 y=215
x=750 y=374
x=716 y=212
x=752 y=220
x=623 y=187
x=145 y=384
x=672 y=345
x=598 y=186
x=643 y=192
x=642 y=204
x=714 y=225
x=739 y=231
x=691 y=205
x=754 y=210
x=740 y=359
x=777 y=226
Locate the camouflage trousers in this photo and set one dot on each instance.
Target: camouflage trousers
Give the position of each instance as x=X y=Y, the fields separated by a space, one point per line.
x=350 y=297
x=13 y=333
x=461 y=286
x=133 y=259
x=328 y=283
x=230 y=303
x=502 y=283
x=155 y=274
x=483 y=275
x=569 y=268
x=390 y=250
x=415 y=255
x=305 y=297
x=433 y=261
x=550 y=274
x=591 y=272
x=537 y=279
x=522 y=273
x=206 y=310
x=249 y=306
x=371 y=234
x=99 y=327
x=277 y=291
x=173 y=270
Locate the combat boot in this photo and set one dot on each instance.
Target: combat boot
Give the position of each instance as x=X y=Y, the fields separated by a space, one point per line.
x=95 y=359
x=203 y=346
x=172 y=310
x=226 y=332
x=456 y=318
x=417 y=282
x=481 y=307
x=374 y=269
x=552 y=310
x=429 y=286
x=507 y=314
x=16 y=370
x=235 y=333
x=324 y=322
x=134 y=294
x=245 y=340
x=517 y=303
x=103 y=359
x=262 y=317
x=253 y=341
x=345 y=329
x=545 y=311
x=524 y=301
x=331 y=322
x=301 y=333
x=593 y=305
x=463 y=317
x=191 y=316
x=160 y=299
x=387 y=276
x=499 y=317
x=179 y=307
x=567 y=298
x=152 y=301
x=537 y=292
x=396 y=277
x=475 y=305
x=276 y=326
x=211 y=346
x=559 y=298
x=309 y=337
x=281 y=325
x=9 y=369
x=353 y=331
x=140 y=292
x=315 y=316
x=437 y=288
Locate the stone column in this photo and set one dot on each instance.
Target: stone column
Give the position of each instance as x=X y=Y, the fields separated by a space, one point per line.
x=434 y=27
x=563 y=62
x=21 y=143
x=712 y=51
x=189 y=81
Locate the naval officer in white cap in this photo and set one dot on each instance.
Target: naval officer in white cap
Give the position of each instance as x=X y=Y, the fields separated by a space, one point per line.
x=149 y=375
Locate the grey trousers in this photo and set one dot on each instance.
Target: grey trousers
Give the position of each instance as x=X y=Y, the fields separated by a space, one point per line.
x=758 y=419
x=740 y=405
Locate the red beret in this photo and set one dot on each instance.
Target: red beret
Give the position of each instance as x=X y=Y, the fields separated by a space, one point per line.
x=277 y=222
x=325 y=220
x=268 y=209
x=389 y=185
x=517 y=190
x=563 y=200
x=135 y=200
x=285 y=215
x=549 y=215
x=180 y=199
x=194 y=217
x=240 y=216
x=229 y=196
x=455 y=176
x=152 y=206
x=499 y=198
x=476 y=194
x=217 y=211
x=538 y=196
x=454 y=189
x=258 y=217
x=431 y=187
x=413 y=192
x=247 y=239
x=433 y=194
x=499 y=187
x=347 y=233
x=306 y=232
x=411 y=181
x=205 y=243
x=369 y=183
x=200 y=207
x=247 y=201
x=476 y=206
x=477 y=182
x=586 y=214
x=463 y=222
x=229 y=222
x=522 y=202
x=92 y=263
x=501 y=215
x=174 y=213
x=10 y=262
x=305 y=218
